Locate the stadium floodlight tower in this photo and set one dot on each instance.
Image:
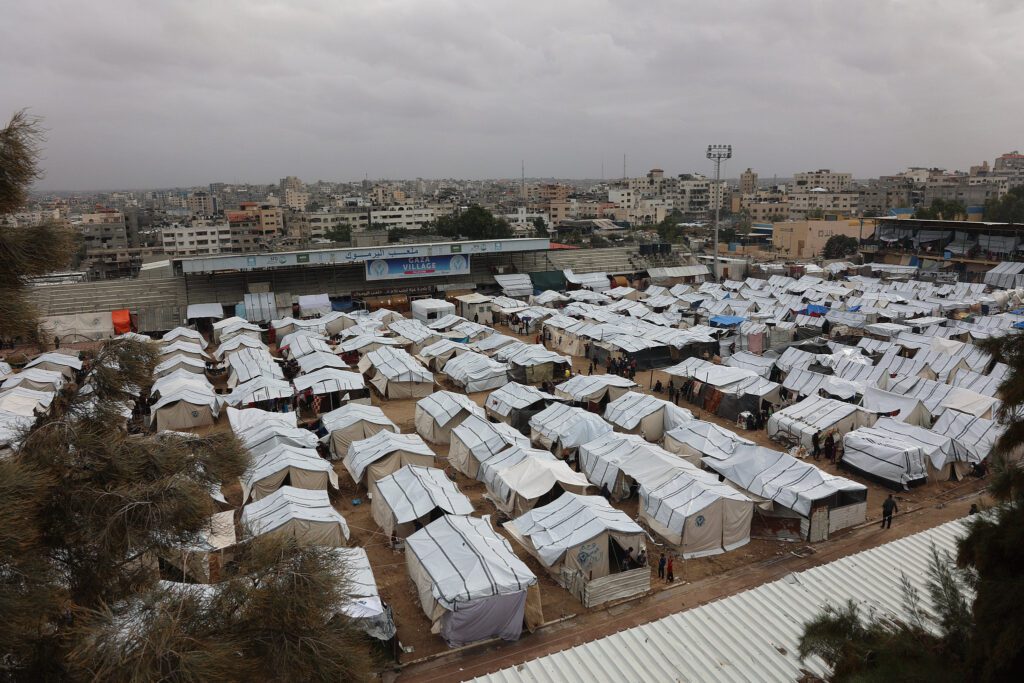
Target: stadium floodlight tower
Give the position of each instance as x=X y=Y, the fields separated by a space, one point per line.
x=717 y=153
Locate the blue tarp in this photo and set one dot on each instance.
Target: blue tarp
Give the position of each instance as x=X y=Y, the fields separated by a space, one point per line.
x=726 y=320
x=814 y=309
x=854 y=308
x=240 y=310
x=1020 y=325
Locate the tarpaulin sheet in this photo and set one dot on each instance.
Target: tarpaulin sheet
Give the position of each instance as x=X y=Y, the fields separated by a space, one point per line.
x=122 y=320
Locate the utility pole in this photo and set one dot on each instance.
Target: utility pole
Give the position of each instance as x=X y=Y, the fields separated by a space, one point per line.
x=717 y=153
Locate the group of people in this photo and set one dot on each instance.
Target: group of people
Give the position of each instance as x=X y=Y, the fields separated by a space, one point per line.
x=685 y=390
x=829 y=446
x=665 y=568
x=622 y=367
x=631 y=562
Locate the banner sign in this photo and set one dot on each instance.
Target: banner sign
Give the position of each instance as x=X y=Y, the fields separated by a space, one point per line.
x=417 y=266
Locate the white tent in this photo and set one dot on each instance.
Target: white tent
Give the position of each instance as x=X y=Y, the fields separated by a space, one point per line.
x=396 y=374
x=974 y=437
x=235 y=343
x=314 y=304
x=799 y=422
x=886 y=455
x=594 y=388
x=185 y=407
x=262 y=388
x=621 y=462
x=246 y=364
x=416 y=334
x=249 y=420
x=184 y=348
x=428 y=310
x=185 y=333
x=297 y=345
x=63 y=363
x=303 y=514
x=211 y=310
x=473 y=372
x=562 y=428
x=366 y=343
x=414 y=496
x=491 y=344
x=476 y=440
x=904 y=408
x=780 y=479
x=374 y=458
x=762 y=365
x=470 y=583
x=174 y=363
x=35 y=378
x=532 y=363
x=318 y=360
x=514 y=404
x=329 y=381
x=582 y=538
x=25 y=402
x=531 y=482
x=695 y=512
x=442 y=411
x=437 y=354
x=446 y=322
x=362 y=600
x=645 y=415
x=937 y=396
x=697 y=439
x=286 y=465
x=353 y=422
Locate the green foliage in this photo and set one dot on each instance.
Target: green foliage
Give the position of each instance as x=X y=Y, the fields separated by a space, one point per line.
x=475 y=223
x=840 y=246
x=25 y=252
x=540 y=228
x=341 y=233
x=1007 y=209
x=397 y=234
x=273 y=617
x=942 y=210
x=669 y=229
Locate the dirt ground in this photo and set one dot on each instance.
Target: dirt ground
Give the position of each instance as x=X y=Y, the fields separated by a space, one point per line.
x=426 y=657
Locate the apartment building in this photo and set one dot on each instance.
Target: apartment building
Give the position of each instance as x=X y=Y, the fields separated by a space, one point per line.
x=406 y=216
x=820 y=200
x=306 y=225
x=201 y=204
x=748 y=182
x=823 y=178
x=200 y=238
x=104 y=229
x=296 y=199
x=263 y=221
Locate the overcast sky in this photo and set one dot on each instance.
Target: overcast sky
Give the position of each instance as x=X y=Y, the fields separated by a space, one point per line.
x=184 y=92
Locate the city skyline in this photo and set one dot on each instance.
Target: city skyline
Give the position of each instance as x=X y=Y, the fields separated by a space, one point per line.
x=180 y=94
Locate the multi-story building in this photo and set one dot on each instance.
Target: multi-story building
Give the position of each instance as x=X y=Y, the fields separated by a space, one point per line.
x=884 y=194
x=201 y=203
x=199 y=238
x=748 y=182
x=104 y=229
x=296 y=199
x=406 y=216
x=765 y=209
x=1011 y=161
x=823 y=178
x=822 y=201
x=262 y=221
x=306 y=225
x=970 y=191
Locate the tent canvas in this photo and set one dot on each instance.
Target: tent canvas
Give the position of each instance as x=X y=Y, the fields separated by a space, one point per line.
x=561 y=428
x=645 y=415
x=533 y=481
x=514 y=404
x=884 y=455
x=353 y=422
x=439 y=413
x=470 y=583
x=697 y=439
x=303 y=514
x=477 y=440
x=815 y=415
x=374 y=458
x=412 y=496
x=298 y=467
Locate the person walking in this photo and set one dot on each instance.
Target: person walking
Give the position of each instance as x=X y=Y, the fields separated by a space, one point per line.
x=671 y=393
x=888 y=509
x=830 y=448
x=590 y=370
x=816 y=445
x=669 y=575
x=661 y=567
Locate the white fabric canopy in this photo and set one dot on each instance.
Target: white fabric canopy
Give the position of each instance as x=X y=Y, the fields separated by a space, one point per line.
x=414 y=492
x=801 y=421
x=566 y=426
x=475 y=372
x=514 y=396
x=287 y=506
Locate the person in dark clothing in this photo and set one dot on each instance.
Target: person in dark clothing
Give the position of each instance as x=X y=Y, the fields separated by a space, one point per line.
x=590 y=370
x=661 y=566
x=830 y=448
x=816 y=445
x=888 y=508
x=56 y=342
x=671 y=393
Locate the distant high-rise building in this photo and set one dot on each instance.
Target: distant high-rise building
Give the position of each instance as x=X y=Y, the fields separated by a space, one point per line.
x=822 y=178
x=748 y=182
x=201 y=204
x=291 y=183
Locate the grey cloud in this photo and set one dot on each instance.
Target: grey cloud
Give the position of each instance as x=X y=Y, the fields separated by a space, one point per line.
x=184 y=92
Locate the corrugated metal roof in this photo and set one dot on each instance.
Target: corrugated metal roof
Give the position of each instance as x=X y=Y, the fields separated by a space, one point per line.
x=751 y=636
